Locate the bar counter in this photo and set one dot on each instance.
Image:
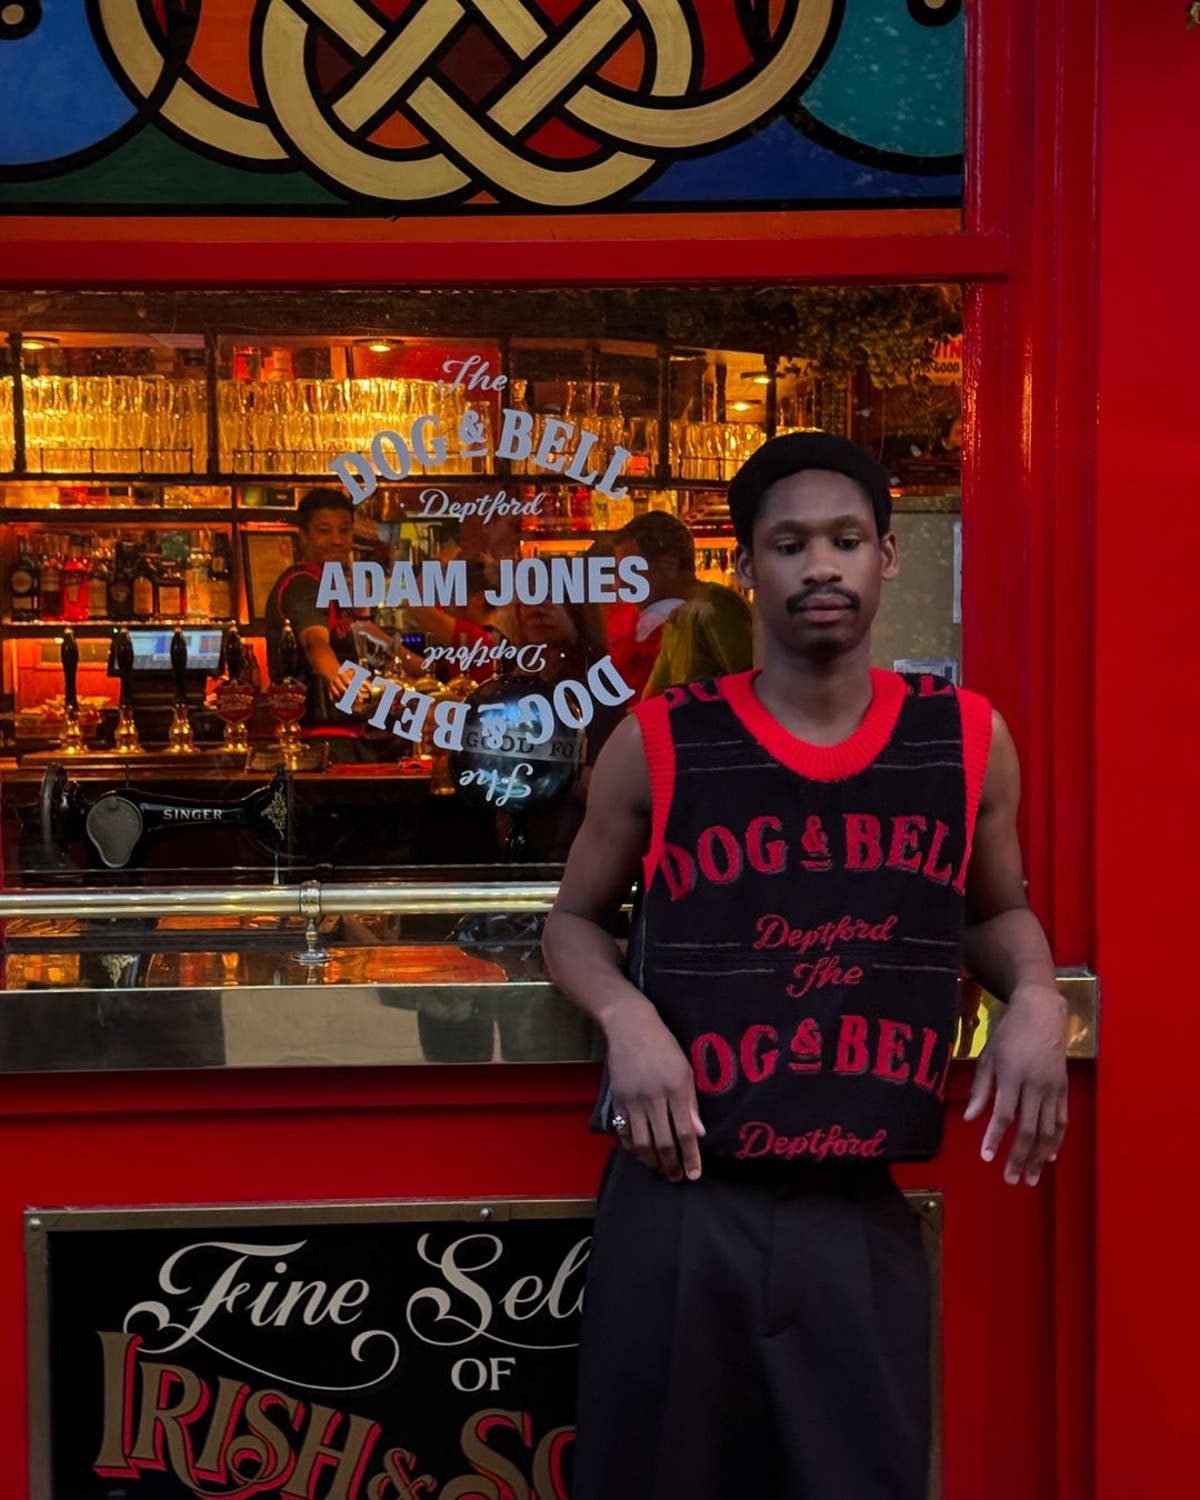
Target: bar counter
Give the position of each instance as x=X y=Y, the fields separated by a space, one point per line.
x=392 y=973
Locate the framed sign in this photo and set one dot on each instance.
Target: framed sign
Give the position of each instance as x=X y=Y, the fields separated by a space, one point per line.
x=266 y=552
x=335 y=1351
x=321 y=1351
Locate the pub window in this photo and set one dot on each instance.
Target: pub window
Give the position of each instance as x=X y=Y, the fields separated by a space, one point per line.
x=479 y=447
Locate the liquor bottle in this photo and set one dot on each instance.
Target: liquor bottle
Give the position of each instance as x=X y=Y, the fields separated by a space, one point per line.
x=75 y=582
x=581 y=509
x=641 y=458
x=50 y=596
x=220 y=581
x=23 y=584
x=98 y=582
x=199 y=591
x=145 y=589
x=527 y=494
x=120 y=587
x=172 y=591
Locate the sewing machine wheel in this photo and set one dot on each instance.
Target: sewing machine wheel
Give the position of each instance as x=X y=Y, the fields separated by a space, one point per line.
x=59 y=806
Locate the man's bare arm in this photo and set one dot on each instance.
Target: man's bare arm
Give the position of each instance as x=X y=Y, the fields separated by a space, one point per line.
x=1006 y=949
x=323 y=659
x=651 y=1079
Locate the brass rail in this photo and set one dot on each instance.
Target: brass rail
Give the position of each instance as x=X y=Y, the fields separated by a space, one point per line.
x=312 y=898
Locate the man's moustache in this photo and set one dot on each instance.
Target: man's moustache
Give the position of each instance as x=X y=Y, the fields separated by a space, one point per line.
x=797 y=602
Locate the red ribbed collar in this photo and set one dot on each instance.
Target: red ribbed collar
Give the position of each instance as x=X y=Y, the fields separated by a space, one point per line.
x=819 y=762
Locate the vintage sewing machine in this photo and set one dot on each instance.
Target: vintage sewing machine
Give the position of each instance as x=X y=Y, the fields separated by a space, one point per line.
x=115 y=825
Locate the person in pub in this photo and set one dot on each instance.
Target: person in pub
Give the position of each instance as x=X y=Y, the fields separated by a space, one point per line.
x=325 y=633
x=819 y=843
x=687 y=628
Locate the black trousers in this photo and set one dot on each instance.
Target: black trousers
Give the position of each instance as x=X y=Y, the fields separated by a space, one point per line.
x=763 y=1339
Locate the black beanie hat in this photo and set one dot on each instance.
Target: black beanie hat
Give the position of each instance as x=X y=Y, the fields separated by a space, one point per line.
x=795 y=452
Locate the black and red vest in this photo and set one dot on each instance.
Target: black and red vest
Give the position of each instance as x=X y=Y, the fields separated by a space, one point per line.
x=799 y=926
x=321 y=718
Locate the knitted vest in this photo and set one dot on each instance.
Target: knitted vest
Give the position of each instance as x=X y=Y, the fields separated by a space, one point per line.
x=799 y=925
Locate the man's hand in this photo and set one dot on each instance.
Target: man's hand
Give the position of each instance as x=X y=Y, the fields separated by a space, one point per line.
x=338 y=684
x=336 y=675
x=1025 y=1062
x=653 y=1087
x=650 y=1078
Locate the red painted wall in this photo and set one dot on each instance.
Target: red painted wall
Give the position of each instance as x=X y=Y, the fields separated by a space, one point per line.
x=506 y=1132
x=1147 y=648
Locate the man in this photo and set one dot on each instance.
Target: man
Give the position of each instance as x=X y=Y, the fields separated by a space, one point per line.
x=702 y=628
x=325 y=633
x=818 y=844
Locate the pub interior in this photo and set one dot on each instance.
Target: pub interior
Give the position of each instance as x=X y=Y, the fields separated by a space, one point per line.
x=155 y=447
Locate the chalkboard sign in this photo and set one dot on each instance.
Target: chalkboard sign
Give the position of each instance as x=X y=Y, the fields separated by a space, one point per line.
x=323 y=1352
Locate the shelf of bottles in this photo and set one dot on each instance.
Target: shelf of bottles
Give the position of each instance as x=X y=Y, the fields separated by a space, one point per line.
x=105 y=577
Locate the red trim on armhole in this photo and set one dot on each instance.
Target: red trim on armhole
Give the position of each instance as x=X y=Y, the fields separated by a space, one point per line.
x=976 y=715
x=654 y=720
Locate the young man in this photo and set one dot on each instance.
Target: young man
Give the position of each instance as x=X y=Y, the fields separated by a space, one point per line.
x=700 y=628
x=325 y=633
x=818 y=843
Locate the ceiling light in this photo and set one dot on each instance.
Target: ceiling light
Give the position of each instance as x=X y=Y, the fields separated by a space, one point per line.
x=379 y=345
x=758 y=377
x=39 y=341
x=743 y=405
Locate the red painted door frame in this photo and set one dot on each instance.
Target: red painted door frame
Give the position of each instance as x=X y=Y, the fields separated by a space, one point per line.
x=1019 y=1294
x=1148 y=457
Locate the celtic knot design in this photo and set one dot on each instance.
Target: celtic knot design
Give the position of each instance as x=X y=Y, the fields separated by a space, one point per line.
x=459 y=101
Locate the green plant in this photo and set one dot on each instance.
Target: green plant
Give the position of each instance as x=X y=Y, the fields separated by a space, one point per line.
x=885 y=330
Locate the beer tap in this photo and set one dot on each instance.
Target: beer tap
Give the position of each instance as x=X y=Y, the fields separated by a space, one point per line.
x=233 y=653
x=120 y=658
x=235 y=698
x=72 y=740
x=436 y=760
x=288 y=699
x=180 y=740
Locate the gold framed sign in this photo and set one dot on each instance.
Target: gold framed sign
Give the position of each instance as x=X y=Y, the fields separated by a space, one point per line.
x=339 y=1349
x=268 y=551
x=331 y=1351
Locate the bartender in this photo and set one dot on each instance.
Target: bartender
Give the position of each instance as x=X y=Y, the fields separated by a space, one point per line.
x=325 y=632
